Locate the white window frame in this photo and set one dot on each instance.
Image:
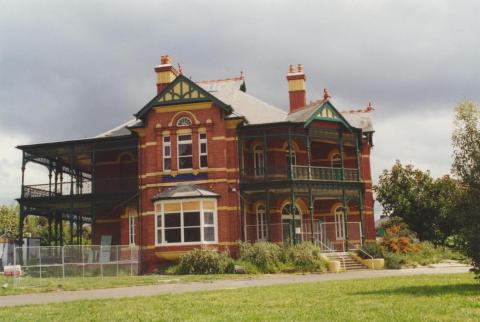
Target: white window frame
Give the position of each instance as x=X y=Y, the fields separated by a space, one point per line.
x=258 y=161
x=131 y=229
x=339 y=223
x=262 y=228
x=159 y=206
x=184 y=121
x=165 y=145
x=200 y=154
x=178 y=150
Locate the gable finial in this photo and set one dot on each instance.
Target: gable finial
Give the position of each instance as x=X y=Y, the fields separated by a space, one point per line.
x=180 y=71
x=325 y=94
x=369 y=107
x=242 y=75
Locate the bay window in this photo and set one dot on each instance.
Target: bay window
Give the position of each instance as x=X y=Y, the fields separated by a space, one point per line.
x=188 y=221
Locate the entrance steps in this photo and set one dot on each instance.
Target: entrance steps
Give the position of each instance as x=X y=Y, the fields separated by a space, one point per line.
x=347 y=262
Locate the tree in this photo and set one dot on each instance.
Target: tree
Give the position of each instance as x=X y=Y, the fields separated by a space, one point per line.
x=8 y=220
x=466 y=166
x=425 y=204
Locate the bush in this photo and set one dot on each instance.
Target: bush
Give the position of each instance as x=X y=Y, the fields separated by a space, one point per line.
x=372 y=248
x=394 y=261
x=205 y=261
x=304 y=257
x=267 y=257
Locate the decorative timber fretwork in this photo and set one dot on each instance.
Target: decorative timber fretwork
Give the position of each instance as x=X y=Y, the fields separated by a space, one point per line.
x=182 y=91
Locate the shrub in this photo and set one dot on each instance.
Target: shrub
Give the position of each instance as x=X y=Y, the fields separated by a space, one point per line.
x=304 y=257
x=393 y=261
x=372 y=248
x=205 y=261
x=397 y=239
x=267 y=257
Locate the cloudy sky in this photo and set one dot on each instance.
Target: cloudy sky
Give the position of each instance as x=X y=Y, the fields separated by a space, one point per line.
x=75 y=69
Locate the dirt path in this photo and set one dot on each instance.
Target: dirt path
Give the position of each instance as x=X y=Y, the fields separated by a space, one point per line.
x=151 y=290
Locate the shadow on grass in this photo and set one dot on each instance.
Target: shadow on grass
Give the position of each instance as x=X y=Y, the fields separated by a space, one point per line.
x=427 y=290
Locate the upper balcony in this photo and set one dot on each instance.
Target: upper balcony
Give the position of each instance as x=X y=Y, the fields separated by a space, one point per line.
x=300 y=172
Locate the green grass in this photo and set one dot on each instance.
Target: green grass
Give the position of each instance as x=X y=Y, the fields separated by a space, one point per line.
x=453 y=297
x=26 y=285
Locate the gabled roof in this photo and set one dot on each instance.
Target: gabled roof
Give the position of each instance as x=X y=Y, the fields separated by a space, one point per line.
x=322 y=110
x=182 y=90
x=185 y=191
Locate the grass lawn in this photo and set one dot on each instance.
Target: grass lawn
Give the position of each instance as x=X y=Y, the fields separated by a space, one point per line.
x=453 y=297
x=36 y=285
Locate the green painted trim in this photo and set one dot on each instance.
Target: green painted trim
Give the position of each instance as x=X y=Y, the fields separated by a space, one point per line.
x=314 y=116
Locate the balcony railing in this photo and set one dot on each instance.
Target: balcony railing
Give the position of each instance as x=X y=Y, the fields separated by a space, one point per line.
x=300 y=172
x=110 y=185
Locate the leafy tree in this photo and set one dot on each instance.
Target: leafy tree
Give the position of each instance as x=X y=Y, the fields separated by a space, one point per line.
x=425 y=204
x=466 y=165
x=8 y=220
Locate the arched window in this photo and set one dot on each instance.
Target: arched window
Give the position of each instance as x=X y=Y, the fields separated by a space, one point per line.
x=258 y=161
x=336 y=160
x=288 y=223
x=287 y=156
x=184 y=121
x=339 y=223
x=262 y=232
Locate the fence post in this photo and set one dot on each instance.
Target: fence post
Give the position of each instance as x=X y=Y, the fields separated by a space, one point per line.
x=14 y=264
x=117 y=258
x=131 y=260
x=83 y=262
x=63 y=262
x=40 y=259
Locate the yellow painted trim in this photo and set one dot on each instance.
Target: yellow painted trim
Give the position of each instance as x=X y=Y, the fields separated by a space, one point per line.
x=184 y=131
x=226 y=208
x=183 y=107
x=202 y=130
x=296 y=85
x=160 y=173
x=232 y=124
x=147 y=144
x=165 y=77
x=223 y=138
x=147 y=213
x=169 y=184
x=170 y=256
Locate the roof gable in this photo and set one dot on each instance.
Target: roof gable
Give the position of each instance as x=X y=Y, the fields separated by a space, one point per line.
x=327 y=112
x=182 y=90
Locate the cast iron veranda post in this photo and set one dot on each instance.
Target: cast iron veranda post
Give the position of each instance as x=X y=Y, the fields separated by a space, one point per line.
x=309 y=155
x=310 y=205
x=267 y=214
x=345 y=218
x=292 y=211
x=265 y=155
x=290 y=166
x=22 y=193
x=357 y=151
x=340 y=148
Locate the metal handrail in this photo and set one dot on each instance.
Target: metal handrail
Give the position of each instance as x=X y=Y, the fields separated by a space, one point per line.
x=360 y=249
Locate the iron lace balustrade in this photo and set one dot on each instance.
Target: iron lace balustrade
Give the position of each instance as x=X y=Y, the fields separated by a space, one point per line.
x=107 y=185
x=299 y=172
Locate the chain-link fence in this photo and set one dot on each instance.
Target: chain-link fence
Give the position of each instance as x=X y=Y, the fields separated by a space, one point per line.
x=35 y=263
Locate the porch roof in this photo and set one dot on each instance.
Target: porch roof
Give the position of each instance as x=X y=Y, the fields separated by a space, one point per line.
x=185 y=191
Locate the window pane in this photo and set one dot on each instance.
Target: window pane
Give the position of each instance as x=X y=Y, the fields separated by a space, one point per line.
x=167 y=164
x=173 y=235
x=203 y=135
x=203 y=148
x=166 y=139
x=167 y=151
x=184 y=137
x=208 y=218
x=184 y=149
x=203 y=161
x=159 y=236
x=191 y=219
x=172 y=220
x=191 y=234
x=159 y=221
x=209 y=234
x=185 y=162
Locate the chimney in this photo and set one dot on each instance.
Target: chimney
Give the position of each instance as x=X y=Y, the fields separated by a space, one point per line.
x=166 y=73
x=296 y=88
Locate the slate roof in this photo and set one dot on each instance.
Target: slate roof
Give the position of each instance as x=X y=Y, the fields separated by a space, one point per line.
x=254 y=110
x=184 y=191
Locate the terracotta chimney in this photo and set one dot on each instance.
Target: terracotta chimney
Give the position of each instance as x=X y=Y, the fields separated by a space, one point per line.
x=166 y=73
x=296 y=88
